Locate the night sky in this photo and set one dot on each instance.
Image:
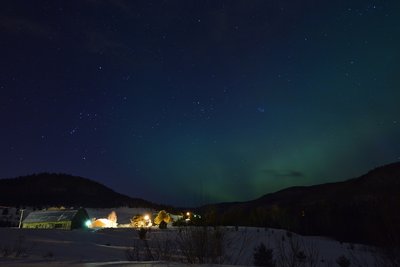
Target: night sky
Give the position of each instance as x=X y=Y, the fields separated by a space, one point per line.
x=192 y=102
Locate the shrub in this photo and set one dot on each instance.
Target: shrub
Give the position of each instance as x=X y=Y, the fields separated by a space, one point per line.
x=162 y=225
x=342 y=261
x=202 y=245
x=263 y=256
x=19 y=249
x=301 y=256
x=142 y=233
x=180 y=222
x=48 y=255
x=289 y=234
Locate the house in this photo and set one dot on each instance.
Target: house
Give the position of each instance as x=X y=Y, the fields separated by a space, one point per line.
x=65 y=219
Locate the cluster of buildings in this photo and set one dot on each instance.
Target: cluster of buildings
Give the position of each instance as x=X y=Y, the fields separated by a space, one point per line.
x=68 y=219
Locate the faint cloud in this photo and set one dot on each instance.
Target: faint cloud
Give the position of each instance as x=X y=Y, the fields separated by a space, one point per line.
x=18 y=25
x=94 y=40
x=283 y=174
x=121 y=5
x=261 y=109
x=97 y=42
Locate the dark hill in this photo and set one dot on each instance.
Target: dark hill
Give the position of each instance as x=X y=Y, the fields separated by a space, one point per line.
x=47 y=189
x=364 y=209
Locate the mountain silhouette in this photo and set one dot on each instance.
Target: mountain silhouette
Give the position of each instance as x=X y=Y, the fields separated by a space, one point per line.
x=48 y=189
x=364 y=209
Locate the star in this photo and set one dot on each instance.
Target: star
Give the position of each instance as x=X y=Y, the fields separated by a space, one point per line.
x=73 y=131
x=141 y=82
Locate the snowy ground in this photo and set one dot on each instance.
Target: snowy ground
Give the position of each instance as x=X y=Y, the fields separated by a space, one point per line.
x=109 y=247
x=123 y=247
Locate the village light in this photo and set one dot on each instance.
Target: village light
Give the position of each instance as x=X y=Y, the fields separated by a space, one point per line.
x=146 y=217
x=88 y=223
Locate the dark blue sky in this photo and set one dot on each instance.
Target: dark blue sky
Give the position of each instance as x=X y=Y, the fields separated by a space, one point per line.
x=189 y=102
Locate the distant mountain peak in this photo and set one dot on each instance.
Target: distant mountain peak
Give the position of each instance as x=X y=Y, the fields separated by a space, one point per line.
x=54 y=189
x=362 y=209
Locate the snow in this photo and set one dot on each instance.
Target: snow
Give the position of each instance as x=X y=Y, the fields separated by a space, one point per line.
x=108 y=247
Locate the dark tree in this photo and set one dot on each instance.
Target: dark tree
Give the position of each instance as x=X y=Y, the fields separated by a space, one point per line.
x=342 y=261
x=162 y=225
x=263 y=256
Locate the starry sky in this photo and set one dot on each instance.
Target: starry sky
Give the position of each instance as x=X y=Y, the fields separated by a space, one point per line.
x=192 y=102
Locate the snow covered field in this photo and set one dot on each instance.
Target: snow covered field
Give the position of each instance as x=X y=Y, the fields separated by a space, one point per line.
x=110 y=246
x=221 y=246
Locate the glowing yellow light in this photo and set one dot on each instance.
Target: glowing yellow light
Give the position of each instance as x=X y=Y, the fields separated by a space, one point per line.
x=187 y=213
x=146 y=217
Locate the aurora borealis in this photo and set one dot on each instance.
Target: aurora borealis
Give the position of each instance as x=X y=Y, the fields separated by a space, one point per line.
x=192 y=102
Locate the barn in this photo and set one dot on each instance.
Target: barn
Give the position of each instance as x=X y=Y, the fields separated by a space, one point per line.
x=65 y=219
